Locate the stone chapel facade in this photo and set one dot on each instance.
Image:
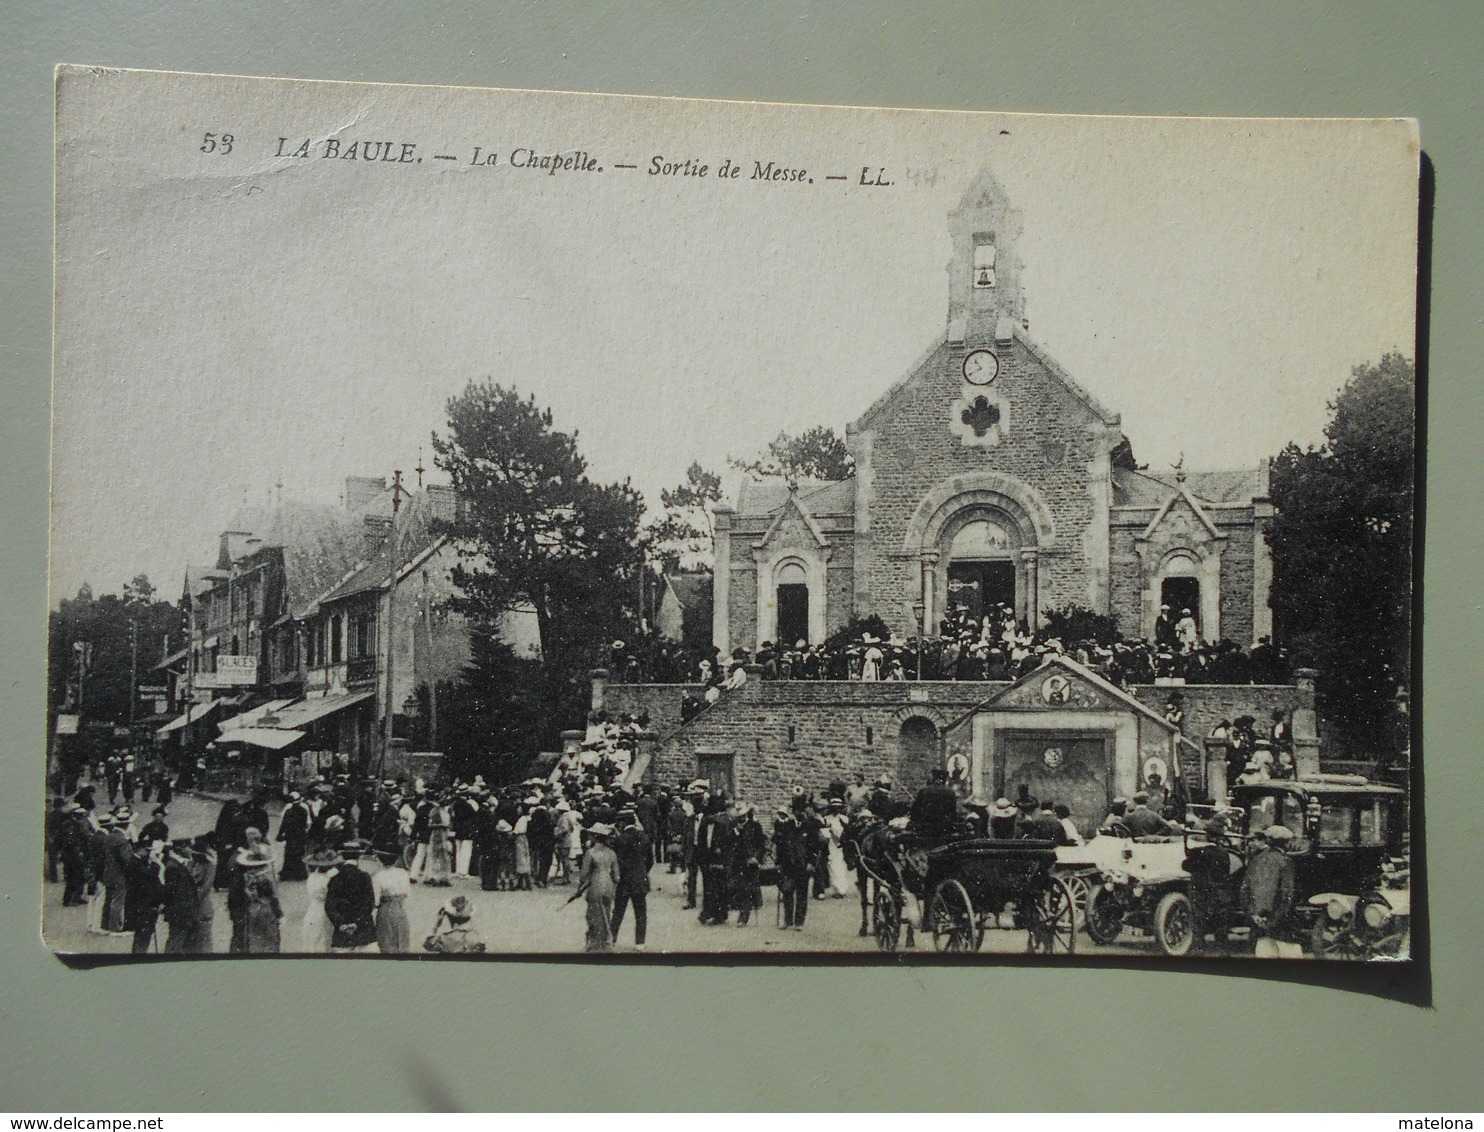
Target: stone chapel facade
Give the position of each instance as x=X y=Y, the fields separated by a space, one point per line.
x=988 y=475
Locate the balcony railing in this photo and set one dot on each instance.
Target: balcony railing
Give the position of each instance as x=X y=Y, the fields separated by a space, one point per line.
x=360 y=670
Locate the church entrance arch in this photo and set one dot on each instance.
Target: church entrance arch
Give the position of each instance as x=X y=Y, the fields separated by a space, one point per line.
x=977 y=538
x=980 y=573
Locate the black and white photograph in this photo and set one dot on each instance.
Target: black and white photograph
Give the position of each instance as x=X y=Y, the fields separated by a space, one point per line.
x=509 y=523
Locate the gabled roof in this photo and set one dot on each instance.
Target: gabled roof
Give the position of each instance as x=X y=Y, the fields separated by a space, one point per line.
x=1143 y=488
x=690 y=590
x=1035 y=349
x=1200 y=513
x=815 y=497
x=1055 y=660
x=795 y=506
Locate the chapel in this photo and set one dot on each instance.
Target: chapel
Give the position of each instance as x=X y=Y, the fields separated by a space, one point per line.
x=989 y=475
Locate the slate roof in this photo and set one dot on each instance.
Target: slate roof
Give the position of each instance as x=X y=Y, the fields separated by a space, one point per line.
x=817 y=497
x=690 y=589
x=1154 y=489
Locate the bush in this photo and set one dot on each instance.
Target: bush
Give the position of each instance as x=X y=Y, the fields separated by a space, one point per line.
x=1075 y=623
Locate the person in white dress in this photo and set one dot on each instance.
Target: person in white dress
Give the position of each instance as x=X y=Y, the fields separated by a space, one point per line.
x=840 y=878
x=871 y=661
x=316 y=930
x=392 y=884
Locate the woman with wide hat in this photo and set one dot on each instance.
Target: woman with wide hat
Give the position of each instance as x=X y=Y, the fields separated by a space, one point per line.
x=316 y=930
x=261 y=913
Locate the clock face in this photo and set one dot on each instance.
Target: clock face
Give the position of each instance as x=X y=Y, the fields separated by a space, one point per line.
x=981 y=367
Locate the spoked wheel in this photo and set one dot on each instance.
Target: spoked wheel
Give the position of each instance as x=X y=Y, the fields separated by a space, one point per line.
x=1052 y=923
x=1174 y=924
x=1104 y=916
x=888 y=909
x=1081 y=897
x=951 y=918
x=1332 y=939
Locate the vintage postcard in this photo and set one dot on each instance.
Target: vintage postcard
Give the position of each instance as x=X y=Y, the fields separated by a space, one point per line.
x=496 y=522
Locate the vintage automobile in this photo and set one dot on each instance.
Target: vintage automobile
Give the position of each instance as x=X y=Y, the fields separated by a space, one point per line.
x=1346 y=829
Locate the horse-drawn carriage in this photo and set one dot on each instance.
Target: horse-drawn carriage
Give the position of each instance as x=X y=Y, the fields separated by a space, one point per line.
x=958 y=888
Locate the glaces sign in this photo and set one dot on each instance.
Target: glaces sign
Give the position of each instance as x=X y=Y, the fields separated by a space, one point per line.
x=236 y=670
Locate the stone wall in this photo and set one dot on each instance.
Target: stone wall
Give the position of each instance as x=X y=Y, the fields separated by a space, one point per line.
x=841 y=728
x=1049 y=442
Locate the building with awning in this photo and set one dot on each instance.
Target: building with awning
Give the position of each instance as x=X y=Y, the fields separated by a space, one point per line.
x=305 y=712
x=196 y=714
x=269 y=738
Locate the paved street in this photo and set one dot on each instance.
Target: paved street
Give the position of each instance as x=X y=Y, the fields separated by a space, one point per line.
x=541 y=921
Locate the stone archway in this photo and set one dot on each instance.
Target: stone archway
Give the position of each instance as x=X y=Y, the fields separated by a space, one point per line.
x=1014 y=506
x=917 y=751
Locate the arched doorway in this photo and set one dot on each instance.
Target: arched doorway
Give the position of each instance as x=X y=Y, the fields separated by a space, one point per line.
x=917 y=751
x=980 y=570
x=793 y=604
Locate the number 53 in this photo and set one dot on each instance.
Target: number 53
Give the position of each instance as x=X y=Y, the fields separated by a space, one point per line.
x=217 y=143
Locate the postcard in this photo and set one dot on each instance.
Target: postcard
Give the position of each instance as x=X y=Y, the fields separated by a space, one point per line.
x=498 y=522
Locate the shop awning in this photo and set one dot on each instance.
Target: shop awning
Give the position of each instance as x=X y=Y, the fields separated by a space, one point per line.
x=195 y=715
x=306 y=712
x=270 y=737
x=251 y=716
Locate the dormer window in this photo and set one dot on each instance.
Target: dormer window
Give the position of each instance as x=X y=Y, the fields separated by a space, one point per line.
x=984 y=276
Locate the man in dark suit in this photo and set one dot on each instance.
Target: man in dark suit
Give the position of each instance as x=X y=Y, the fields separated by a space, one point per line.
x=713 y=849
x=1144 y=822
x=793 y=853
x=635 y=856
x=182 y=901
x=935 y=808
x=144 y=894
x=350 y=901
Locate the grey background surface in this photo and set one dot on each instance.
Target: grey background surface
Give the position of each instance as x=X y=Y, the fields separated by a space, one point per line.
x=337 y=1035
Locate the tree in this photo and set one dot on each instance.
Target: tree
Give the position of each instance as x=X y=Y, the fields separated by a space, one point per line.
x=535 y=529
x=680 y=537
x=101 y=627
x=491 y=719
x=1342 y=553
x=817 y=454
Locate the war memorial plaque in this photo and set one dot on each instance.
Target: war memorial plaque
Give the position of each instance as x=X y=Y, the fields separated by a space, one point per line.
x=493 y=522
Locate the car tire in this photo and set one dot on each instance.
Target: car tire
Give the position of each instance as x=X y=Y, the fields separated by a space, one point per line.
x=1174 y=924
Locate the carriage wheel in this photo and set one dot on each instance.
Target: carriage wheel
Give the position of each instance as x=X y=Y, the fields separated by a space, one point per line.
x=1053 y=920
x=951 y=918
x=888 y=918
x=1081 y=898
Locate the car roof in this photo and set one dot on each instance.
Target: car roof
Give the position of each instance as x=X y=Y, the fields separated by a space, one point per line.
x=1322 y=786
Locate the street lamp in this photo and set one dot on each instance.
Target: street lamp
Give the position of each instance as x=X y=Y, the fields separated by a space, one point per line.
x=919 y=609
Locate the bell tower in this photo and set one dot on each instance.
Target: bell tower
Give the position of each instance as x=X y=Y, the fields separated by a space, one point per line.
x=984 y=299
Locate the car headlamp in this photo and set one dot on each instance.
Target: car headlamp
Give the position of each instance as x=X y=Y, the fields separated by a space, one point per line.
x=1376 y=913
x=1336 y=910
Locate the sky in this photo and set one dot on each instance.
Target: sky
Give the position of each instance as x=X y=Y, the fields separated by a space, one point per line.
x=227 y=323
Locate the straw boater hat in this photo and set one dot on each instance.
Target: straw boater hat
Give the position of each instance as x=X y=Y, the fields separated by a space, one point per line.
x=254 y=857
x=323 y=860
x=1278 y=834
x=602 y=829
x=1002 y=808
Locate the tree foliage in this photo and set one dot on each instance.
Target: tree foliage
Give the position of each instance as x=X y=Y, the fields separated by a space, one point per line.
x=1342 y=552
x=101 y=626
x=819 y=454
x=533 y=528
x=680 y=537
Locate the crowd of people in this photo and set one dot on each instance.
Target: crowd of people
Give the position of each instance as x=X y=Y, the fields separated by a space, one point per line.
x=995 y=647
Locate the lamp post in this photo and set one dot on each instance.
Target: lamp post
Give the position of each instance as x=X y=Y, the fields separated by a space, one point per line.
x=919 y=610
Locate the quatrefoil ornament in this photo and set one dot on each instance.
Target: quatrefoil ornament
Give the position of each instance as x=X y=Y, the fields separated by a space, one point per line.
x=978 y=419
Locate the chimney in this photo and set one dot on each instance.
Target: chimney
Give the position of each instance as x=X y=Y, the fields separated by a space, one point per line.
x=444 y=501
x=374 y=529
x=362 y=491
